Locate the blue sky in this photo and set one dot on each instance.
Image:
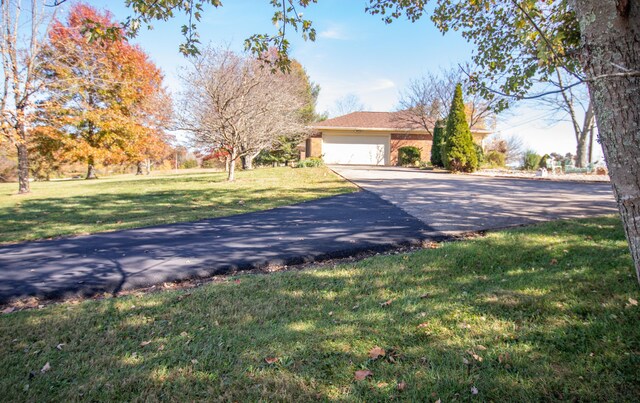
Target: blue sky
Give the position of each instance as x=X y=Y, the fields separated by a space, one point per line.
x=354 y=53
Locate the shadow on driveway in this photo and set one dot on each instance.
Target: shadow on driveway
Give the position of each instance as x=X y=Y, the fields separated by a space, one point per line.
x=333 y=227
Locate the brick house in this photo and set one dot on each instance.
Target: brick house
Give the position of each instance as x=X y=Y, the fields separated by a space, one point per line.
x=370 y=138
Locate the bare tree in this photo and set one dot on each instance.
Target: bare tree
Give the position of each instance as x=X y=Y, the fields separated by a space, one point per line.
x=233 y=103
x=512 y=147
x=21 y=42
x=348 y=104
x=566 y=103
x=427 y=99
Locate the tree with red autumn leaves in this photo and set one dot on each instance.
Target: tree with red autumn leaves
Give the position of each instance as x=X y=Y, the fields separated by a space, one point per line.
x=105 y=102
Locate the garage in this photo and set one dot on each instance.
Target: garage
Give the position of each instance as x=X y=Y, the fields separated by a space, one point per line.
x=362 y=150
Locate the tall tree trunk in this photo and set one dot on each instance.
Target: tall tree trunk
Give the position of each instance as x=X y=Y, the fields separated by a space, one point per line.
x=232 y=166
x=611 y=60
x=583 y=137
x=23 y=168
x=582 y=151
x=91 y=170
x=227 y=163
x=247 y=161
x=591 y=130
x=140 y=168
x=148 y=164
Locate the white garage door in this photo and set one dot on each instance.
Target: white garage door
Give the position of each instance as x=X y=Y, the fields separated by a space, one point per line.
x=365 y=150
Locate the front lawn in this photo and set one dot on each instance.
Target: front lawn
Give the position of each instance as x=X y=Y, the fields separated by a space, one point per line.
x=548 y=312
x=128 y=201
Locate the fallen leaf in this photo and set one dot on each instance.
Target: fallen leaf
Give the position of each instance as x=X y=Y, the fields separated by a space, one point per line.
x=402 y=386
x=481 y=347
x=271 y=360
x=554 y=261
x=382 y=385
x=474 y=355
x=465 y=361
x=45 y=368
x=438 y=401
x=474 y=390
x=194 y=361
x=184 y=334
x=237 y=281
x=423 y=296
x=59 y=346
x=9 y=309
x=145 y=343
x=161 y=347
x=362 y=374
x=376 y=352
x=386 y=303
x=633 y=302
x=425 y=324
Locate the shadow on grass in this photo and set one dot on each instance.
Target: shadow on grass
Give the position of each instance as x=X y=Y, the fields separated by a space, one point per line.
x=549 y=311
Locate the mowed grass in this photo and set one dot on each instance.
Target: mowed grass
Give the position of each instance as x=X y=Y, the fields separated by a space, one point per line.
x=542 y=313
x=79 y=206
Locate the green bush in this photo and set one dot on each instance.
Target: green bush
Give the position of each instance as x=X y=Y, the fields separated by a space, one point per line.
x=459 y=154
x=495 y=159
x=436 y=147
x=479 y=154
x=543 y=161
x=309 y=163
x=188 y=164
x=530 y=160
x=408 y=155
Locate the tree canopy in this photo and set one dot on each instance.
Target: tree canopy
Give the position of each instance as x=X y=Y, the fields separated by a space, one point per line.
x=105 y=100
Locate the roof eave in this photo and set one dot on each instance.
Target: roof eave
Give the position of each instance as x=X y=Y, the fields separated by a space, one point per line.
x=370 y=129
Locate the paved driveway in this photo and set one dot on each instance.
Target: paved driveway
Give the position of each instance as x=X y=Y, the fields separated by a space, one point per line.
x=451 y=204
x=109 y=262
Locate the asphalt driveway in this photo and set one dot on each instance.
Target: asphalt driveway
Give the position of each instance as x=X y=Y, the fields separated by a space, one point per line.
x=452 y=204
x=110 y=262
x=399 y=207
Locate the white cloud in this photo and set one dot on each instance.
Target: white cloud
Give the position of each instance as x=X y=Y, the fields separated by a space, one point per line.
x=334 y=32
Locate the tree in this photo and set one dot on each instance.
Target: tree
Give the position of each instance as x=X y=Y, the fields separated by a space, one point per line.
x=427 y=99
x=348 y=104
x=233 y=103
x=21 y=42
x=511 y=147
x=104 y=96
x=436 y=146
x=567 y=102
x=458 y=151
x=285 y=147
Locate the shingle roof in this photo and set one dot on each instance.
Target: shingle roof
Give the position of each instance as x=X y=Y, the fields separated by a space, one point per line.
x=372 y=120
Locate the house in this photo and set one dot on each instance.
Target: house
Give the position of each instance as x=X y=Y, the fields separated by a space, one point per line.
x=371 y=138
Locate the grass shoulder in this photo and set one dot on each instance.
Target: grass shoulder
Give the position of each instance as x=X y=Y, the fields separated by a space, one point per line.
x=547 y=312
x=79 y=207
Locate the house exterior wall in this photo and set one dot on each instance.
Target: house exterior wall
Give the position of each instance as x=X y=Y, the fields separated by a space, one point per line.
x=314 y=146
x=421 y=141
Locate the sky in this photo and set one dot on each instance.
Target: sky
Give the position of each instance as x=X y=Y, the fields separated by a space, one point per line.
x=354 y=53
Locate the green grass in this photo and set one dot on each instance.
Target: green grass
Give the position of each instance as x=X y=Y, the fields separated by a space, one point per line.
x=546 y=310
x=79 y=206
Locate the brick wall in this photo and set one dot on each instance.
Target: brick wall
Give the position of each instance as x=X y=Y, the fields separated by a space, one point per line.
x=422 y=141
